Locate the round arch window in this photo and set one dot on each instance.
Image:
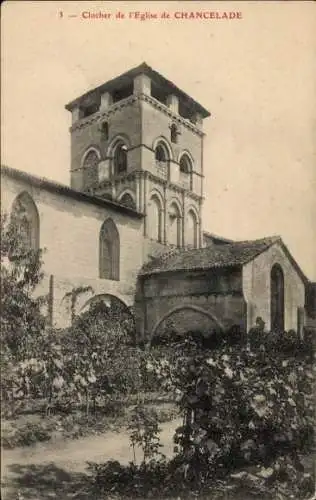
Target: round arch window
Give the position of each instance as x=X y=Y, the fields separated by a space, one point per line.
x=162 y=160
x=161 y=153
x=185 y=165
x=120 y=159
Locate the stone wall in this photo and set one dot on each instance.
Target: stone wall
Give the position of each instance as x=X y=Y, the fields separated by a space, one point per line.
x=69 y=236
x=213 y=294
x=124 y=120
x=256 y=286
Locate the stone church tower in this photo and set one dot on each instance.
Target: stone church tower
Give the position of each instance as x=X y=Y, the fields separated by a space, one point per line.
x=138 y=140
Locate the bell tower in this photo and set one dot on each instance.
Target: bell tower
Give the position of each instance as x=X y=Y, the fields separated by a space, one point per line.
x=138 y=140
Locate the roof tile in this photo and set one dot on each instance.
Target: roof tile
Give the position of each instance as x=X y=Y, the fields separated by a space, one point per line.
x=228 y=255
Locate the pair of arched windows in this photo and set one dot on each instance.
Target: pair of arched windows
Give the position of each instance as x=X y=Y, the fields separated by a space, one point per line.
x=91 y=160
x=162 y=158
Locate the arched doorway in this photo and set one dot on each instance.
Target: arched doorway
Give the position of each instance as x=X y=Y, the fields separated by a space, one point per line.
x=277 y=299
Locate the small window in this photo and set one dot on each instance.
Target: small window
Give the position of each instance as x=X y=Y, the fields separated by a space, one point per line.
x=174 y=132
x=105 y=130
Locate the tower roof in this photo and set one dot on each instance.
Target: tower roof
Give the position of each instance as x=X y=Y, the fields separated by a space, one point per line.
x=127 y=78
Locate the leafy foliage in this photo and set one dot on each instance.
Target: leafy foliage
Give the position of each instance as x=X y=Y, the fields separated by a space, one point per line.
x=145 y=433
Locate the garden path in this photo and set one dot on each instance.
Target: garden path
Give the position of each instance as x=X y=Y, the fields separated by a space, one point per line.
x=40 y=471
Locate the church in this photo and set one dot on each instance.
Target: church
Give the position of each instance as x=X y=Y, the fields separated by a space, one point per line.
x=129 y=227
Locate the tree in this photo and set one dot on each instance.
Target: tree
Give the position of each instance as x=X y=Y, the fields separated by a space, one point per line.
x=22 y=322
x=21 y=316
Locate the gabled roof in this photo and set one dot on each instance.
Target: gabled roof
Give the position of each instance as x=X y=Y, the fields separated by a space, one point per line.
x=62 y=189
x=127 y=78
x=237 y=253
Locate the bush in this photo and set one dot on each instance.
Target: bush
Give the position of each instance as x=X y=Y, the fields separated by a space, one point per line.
x=246 y=407
x=15 y=434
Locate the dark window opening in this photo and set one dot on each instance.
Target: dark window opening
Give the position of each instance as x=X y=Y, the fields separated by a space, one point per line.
x=160 y=153
x=158 y=93
x=89 y=110
x=105 y=130
x=185 y=165
x=123 y=93
x=186 y=112
x=120 y=159
x=174 y=132
x=277 y=299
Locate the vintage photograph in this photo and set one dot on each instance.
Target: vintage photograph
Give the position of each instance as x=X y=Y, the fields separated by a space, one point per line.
x=158 y=250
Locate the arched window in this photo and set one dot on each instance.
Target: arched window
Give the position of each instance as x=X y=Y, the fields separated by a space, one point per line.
x=154 y=222
x=174 y=225
x=90 y=168
x=186 y=171
x=277 y=299
x=128 y=201
x=26 y=219
x=120 y=158
x=191 y=230
x=161 y=153
x=109 y=247
x=162 y=158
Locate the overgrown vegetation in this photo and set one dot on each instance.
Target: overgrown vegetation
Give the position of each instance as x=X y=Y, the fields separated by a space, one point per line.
x=246 y=400
x=247 y=422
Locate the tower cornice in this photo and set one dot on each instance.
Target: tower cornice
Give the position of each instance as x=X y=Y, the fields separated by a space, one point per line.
x=99 y=116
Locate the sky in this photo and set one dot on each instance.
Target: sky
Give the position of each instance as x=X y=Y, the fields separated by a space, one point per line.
x=256 y=75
